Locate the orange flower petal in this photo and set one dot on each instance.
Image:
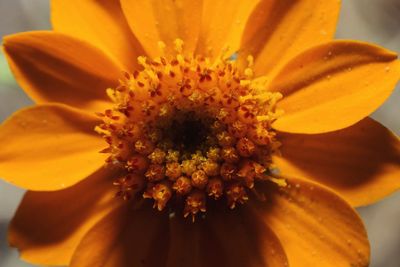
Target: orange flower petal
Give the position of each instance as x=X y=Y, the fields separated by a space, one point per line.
x=132 y=237
x=361 y=162
x=102 y=24
x=222 y=25
x=280 y=29
x=49 y=147
x=52 y=67
x=152 y=21
x=48 y=226
x=193 y=244
x=334 y=85
x=315 y=225
x=125 y=238
x=245 y=240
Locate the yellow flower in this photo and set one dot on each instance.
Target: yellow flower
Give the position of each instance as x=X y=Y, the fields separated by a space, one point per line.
x=240 y=122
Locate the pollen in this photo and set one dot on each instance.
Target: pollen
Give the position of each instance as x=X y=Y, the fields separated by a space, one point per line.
x=186 y=131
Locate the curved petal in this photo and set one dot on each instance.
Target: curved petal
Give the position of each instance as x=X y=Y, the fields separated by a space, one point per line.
x=280 y=29
x=125 y=238
x=334 y=85
x=245 y=239
x=361 y=162
x=222 y=25
x=48 y=226
x=53 y=67
x=100 y=23
x=153 y=20
x=49 y=147
x=193 y=244
x=315 y=225
x=133 y=237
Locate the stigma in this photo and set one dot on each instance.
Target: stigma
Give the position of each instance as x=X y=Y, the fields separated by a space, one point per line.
x=186 y=131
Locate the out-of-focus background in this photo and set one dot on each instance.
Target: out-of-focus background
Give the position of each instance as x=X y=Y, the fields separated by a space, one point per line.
x=376 y=21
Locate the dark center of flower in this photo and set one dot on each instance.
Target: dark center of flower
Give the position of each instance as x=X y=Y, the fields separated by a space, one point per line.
x=185 y=130
x=188 y=134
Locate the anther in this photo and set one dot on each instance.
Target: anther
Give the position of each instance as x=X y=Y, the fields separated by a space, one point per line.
x=173 y=170
x=215 y=188
x=246 y=114
x=173 y=156
x=214 y=154
x=161 y=194
x=225 y=139
x=195 y=203
x=260 y=135
x=245 y=147
x=128 y=186
x=238 y=129
x=182 y=185
x=144 y=146
x=230 y=155
x=226 y=116
x=236 y=194
x=199 y=179
x=155 y=172
x=259 y=170
x=136 y=163
x=189 y=167
x=210 y=167
x=247 y=173
x=228 y=171
x=157 y=156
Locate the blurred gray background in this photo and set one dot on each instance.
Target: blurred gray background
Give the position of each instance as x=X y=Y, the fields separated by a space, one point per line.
x=376 y=21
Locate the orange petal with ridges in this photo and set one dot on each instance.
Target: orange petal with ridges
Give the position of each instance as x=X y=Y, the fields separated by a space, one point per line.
x=48 y=226
x=245 y=239
x=125 y=238
x=49 y=147
x=315 y=225
x=361 y=162
x=153 y=20
x=193 y=244
x=100 y=23
x=333 y=86
x=278 y=30
x=53 y=67
x=222 y=25
x=128 y=238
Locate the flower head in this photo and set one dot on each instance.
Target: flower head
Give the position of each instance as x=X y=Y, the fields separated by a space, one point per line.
x=152 y=145
x=191 y=118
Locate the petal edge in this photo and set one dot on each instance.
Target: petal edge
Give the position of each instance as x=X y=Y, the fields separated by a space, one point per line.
x=49 y=147
x=334 y=85
x=361 y=162
x=54 y=67
x=315 y=225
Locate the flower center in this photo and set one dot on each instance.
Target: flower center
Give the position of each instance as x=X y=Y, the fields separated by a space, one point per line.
x=186 y=131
